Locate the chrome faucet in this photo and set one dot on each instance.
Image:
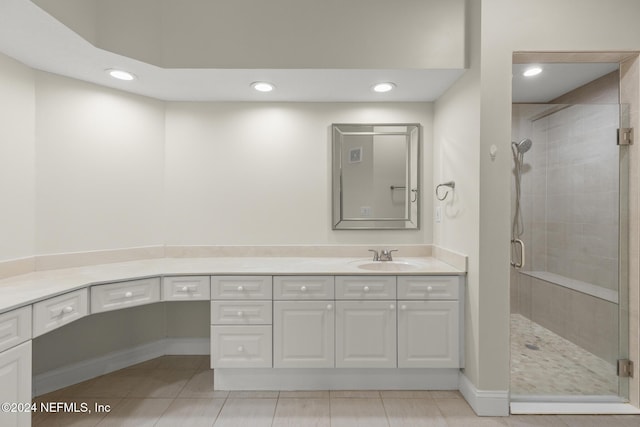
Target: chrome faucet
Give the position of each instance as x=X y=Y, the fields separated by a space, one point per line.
x=385 y=255
x=376 y=257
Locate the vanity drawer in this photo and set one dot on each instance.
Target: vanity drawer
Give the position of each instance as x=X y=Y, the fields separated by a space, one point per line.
x=119 y=295
x=429 y=287
x=186 y=288
x=241 y=347
x=241 y=287
x=303 y=288
x=54 y=312
x=241 y=312
x=365 y=287
x=15 y=327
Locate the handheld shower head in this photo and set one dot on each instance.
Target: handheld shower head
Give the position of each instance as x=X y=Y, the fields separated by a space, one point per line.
x=523 y=146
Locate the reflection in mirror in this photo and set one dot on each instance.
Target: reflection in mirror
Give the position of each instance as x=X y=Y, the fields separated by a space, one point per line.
x=375 y=176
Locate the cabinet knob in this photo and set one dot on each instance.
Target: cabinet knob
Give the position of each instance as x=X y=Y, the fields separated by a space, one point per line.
x=184 y=289
x=429 y=288
x=67 y=309
x=128 y=294
x=366 y=289
x=329 y=307
x=240 y=348
x=392 y=307
x=303 y=288
x=240 y=313
x=240 y=288
x=403 y=307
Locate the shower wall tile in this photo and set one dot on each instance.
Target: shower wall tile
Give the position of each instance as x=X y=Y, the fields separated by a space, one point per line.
x=587 y=321
x=514 y=291
x=548 y=304
x=524 y=295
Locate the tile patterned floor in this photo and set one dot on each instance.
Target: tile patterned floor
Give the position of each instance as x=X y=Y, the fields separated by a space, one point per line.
x=556 y=366
x=178 y=391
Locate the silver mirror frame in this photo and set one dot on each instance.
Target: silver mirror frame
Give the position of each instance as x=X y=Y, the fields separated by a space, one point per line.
x=411 y=221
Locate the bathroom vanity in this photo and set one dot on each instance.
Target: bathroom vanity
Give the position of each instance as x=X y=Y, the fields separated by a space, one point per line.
x=276 y=323
x=338 y=325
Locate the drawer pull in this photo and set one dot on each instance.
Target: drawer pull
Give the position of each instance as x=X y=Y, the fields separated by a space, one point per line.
x=240 y=314
x=240 y=348
x=303 y=288
x=184 y=289
x=392 y=307
x=240 y=288
x=67 y=309
x=403 y=307
x=329 y=307
x=429 y=288
x=366 y=289
x=128 y=294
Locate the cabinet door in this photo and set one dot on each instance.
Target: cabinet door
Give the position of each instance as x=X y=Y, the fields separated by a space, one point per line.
x=365 y=334
x=15 y=383
x=303 y=334
x=241 y=347
x=428 y=334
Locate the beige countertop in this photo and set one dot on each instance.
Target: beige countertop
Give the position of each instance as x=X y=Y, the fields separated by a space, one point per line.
x=28 y=288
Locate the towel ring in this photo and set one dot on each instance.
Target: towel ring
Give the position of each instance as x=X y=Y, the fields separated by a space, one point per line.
x=450 y=184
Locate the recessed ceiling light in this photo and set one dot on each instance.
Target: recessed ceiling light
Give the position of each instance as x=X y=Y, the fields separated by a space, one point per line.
x=383 y=87
x=120 y=74
x=263 y=86
x=532 y=71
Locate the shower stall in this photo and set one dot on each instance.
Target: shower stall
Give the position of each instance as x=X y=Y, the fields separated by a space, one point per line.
x=568 y=280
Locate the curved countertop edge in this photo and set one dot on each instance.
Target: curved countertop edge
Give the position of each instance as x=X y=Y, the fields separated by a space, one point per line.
x=30 y=288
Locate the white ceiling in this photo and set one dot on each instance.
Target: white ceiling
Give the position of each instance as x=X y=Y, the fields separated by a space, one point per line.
x=556 y=79
x=35 y=38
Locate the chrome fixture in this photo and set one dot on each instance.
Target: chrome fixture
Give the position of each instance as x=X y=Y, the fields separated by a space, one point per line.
x=385 y=255
x=518 y=148
x=450 y=184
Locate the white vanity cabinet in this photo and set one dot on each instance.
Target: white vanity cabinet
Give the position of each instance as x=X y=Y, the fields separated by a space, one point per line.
x=429 y=322
x=15 y=365
x=241 y=332
x=366 y=322
x=366 y=334
x=303 y=322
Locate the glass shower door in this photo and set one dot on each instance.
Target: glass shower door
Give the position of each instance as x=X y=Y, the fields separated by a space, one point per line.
x=569 y=307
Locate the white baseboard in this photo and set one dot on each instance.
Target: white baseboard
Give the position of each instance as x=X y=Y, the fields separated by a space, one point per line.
x=81 y=371
x=484 y=403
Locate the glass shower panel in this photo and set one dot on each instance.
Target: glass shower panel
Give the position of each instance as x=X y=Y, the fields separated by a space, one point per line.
x=566 y=301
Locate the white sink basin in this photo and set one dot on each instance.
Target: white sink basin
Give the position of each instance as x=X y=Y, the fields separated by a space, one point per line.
x=388 y=266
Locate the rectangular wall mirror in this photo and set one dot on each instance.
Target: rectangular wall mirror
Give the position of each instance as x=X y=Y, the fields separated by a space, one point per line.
x=375 y=176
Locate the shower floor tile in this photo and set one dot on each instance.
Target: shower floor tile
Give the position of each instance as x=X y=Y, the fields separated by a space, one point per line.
x=544 y=363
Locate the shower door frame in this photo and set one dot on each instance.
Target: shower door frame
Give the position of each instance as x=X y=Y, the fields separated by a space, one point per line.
x=601 y=404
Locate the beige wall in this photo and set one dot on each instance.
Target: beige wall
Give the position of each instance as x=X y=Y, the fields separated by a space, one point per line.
x=260 y=173
x=93 y=171
x=99 y=167
x=509 y=26
x=17 y=153
x=456 y=157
